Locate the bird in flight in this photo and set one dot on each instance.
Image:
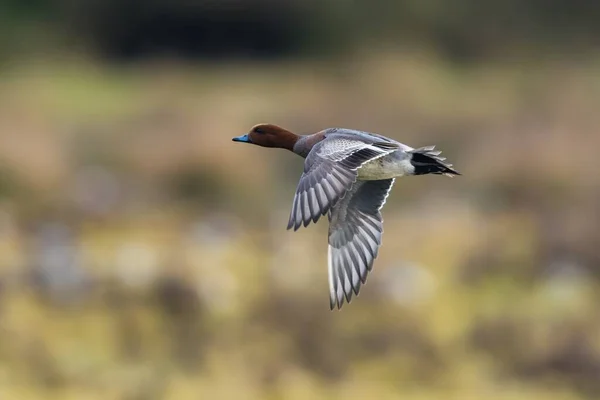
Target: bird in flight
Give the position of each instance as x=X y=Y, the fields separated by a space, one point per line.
x=348 y=175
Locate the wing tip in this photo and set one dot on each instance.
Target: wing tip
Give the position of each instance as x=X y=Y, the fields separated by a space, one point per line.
x=335 y=305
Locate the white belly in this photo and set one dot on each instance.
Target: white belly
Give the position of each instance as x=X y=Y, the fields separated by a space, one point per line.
x=385 y=168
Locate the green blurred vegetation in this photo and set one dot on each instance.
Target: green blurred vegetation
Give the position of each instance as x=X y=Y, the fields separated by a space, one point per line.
x=143 y=255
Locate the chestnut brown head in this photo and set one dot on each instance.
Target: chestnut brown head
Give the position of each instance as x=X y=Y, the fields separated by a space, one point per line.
x=269 y=135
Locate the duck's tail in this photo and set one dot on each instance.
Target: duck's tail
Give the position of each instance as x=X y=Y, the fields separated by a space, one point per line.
x=427 y=160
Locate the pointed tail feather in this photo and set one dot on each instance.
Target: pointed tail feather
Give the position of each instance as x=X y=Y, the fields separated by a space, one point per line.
x=427 y=160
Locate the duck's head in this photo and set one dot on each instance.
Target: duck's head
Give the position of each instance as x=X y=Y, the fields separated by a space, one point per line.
x=269 y=135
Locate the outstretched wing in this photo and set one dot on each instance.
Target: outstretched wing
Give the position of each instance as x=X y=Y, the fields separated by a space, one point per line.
x=355 y=231
x=329 y=172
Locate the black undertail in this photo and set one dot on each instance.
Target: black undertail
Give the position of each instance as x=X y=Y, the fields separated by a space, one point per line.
x=428 y=161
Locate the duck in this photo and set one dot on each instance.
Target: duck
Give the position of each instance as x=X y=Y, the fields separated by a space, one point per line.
x=348 y=175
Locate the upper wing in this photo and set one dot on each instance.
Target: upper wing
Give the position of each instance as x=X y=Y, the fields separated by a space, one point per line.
x=355 y=231
x=329 y=171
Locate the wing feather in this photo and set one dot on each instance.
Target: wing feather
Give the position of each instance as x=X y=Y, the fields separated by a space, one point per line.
x=330 y=170
x=355 y=233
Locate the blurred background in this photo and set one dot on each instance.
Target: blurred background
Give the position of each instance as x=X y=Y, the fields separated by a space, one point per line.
x=143 y=255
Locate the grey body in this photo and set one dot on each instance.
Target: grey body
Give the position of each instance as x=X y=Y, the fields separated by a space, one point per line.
x=393 y=165
x=348 y=175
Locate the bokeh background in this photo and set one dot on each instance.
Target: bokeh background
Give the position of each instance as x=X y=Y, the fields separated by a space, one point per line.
x=143 y=255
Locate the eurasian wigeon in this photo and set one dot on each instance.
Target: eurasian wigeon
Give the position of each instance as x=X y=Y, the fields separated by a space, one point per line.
x=348 y=175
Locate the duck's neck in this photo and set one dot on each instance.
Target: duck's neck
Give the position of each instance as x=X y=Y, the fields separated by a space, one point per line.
x=290 y=141
x=305 y=143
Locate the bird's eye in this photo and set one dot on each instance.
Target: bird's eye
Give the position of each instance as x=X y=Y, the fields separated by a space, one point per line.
x=259 y=130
